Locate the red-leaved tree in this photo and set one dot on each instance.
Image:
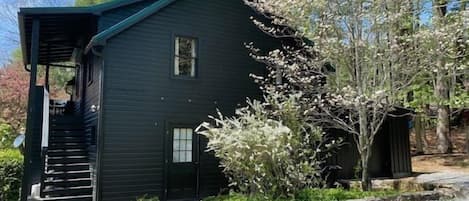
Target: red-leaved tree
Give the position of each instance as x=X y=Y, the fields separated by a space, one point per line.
x=14 y=88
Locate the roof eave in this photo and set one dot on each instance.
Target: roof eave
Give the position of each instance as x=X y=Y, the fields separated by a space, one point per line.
x=102 y=38
x=23 y=39
x=96 y=9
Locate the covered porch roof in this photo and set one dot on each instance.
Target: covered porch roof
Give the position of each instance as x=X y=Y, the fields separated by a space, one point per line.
x=60 y=35
x=62 y=30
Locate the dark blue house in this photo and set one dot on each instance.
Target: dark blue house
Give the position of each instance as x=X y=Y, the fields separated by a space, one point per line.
x=147 y=73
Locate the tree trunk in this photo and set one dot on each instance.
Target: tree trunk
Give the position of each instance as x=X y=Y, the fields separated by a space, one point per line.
x=466 y=130
x=442 y=130
x=364 y=148
x=366 y=178
x=419 y=134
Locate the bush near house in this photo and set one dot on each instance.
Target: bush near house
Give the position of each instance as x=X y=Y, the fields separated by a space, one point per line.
x=148 y=198
x=11 y=172
x=6 y=136
x=309 y=195
x=269 y=147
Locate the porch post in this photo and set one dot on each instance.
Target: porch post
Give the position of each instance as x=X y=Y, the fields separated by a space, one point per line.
x=26 y=181
x=46 y=82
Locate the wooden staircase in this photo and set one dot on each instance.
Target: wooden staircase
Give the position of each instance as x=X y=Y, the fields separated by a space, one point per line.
x=67 y=175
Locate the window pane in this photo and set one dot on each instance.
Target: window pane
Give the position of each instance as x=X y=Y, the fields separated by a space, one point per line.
x=186 y=66
x=182 y=154
x=189 y=145
x=186 y=47
x=177 y=132
x=189 y=156
x=176 y=145
x=189 y=134
x=176 y=156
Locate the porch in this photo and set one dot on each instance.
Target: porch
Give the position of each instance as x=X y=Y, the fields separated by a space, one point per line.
x=56 y=159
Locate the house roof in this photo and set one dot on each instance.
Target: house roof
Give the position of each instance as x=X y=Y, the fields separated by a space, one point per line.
x=101 y=38
x=63 y=25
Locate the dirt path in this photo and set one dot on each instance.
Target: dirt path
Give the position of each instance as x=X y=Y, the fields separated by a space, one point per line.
x=441 y=163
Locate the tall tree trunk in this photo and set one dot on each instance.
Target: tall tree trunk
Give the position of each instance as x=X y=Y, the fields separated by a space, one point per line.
x=442 y=129
x=442 y=85
x=419 y=134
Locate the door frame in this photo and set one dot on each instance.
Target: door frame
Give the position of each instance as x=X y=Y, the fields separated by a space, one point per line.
x=168 y=133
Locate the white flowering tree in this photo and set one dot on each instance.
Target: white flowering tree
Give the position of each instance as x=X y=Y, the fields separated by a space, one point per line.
x=269 y=148
x=363 y=54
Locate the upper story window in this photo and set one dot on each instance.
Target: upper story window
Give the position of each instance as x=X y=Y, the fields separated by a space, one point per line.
x=185 y=57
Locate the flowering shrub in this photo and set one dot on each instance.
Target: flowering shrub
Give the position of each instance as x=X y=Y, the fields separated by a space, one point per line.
x=268 y=148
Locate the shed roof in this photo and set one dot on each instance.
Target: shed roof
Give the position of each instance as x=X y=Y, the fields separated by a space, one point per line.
x=61 y=28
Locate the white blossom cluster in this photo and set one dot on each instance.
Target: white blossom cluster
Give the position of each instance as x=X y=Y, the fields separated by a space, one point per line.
x=269 y=148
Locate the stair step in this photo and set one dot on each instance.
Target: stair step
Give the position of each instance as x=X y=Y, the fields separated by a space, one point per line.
x=66 y=146
x=68 y=191
x=67 y=132
x=68 y=174
x=67 y=159
x=68 y=167
x=65 y=150
x=68 y=182
x=57 y=127
x=65 y=118
x=67 y=140
x=64 y=154
x=70 y=198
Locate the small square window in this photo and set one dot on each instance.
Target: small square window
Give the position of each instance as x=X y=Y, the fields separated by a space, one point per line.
x=185 y=57
x=182 y=145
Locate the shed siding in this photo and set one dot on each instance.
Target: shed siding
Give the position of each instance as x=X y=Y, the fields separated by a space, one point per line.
x=141 y=98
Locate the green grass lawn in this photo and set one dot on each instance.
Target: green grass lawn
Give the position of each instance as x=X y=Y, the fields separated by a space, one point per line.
x=310 y=195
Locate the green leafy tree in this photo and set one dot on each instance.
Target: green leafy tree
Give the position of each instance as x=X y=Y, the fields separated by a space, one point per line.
x=89 y=2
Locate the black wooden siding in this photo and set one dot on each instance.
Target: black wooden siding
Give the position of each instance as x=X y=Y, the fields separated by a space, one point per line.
x=91 y=95
x=141 y=98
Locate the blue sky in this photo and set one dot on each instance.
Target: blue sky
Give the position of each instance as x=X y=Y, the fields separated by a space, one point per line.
x=9 y=39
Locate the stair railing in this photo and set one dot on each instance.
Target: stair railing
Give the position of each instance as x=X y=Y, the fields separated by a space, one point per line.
x=45 y=137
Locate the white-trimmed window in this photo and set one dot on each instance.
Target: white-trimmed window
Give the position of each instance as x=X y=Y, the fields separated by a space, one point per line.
x=182 y=145
x=185 y=57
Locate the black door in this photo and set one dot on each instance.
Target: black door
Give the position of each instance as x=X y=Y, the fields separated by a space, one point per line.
x=182 y=163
